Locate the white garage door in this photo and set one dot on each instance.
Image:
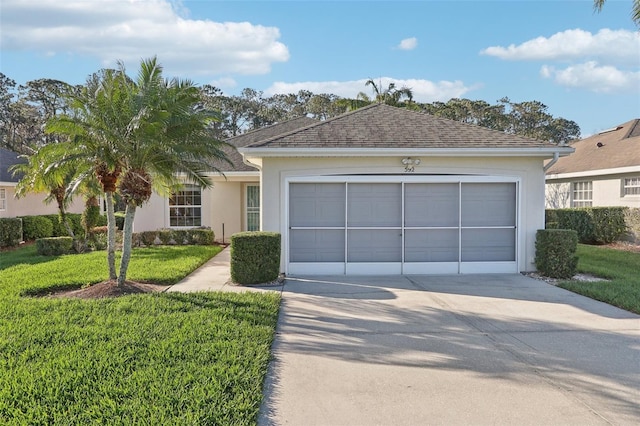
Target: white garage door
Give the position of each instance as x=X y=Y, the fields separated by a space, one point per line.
x=406 y=227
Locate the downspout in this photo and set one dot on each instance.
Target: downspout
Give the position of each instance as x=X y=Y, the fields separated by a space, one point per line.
x=556 y=156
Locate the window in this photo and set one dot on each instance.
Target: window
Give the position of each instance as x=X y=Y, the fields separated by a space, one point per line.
x=185 y=207
x=631 y=186
x=3 y=199
x=582 y=194
x=253 y=208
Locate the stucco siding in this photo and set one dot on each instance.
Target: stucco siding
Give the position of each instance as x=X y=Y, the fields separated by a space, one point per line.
x=222 y=207
x=607 y=191
x=528 y=171
x=33 y=204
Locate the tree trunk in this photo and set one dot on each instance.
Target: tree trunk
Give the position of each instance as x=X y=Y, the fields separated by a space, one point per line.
x=127 y=232
x=111 y=236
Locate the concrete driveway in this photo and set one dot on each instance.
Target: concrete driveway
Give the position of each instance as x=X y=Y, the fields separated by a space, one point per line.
x=447 y=350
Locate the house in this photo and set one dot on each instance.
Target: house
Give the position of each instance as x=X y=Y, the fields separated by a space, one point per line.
x=29 y=205
x=384 y=190
x=231 y=205
x=603 y=171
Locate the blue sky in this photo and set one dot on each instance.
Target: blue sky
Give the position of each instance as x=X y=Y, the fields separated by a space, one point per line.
x=584 y=66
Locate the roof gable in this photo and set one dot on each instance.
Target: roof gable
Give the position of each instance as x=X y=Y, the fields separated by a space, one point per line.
x=384 y=126
x=253 y=136
x=615 y=148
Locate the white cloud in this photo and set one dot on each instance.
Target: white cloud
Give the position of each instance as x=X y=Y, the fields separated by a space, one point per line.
x=617 y=46
x=112 y=30
x=594 y=77
x=423 y=90
x=408 y=44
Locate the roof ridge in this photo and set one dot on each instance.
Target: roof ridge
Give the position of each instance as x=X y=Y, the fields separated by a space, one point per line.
x=636 y=123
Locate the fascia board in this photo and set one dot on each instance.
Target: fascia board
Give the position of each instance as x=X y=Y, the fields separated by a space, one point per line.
x=590 y=173
x=383 y=152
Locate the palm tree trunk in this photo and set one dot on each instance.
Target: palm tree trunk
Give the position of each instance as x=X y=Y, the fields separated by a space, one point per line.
x=127 y=232
x=111 y=236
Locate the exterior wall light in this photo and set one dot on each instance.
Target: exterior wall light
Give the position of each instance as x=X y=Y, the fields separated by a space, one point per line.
x=410 y=164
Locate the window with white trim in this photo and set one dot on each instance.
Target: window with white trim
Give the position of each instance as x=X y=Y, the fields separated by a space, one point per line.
x=631 y=186
x=185 y=207
x=582 y=194
x=3 y=199
x=252 y=207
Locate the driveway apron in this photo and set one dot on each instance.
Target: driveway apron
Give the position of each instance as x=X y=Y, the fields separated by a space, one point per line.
x=447 y=350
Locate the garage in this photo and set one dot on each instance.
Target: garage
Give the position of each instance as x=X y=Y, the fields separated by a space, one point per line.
x=357 y=225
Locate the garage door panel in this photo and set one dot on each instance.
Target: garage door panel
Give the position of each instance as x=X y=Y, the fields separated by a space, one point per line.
x=435 y=245
x=380 y=245
x=431 y=204
x=374 y=204
x=313 y=245
x=316 y=204
x=488 y=204
x=487 y=245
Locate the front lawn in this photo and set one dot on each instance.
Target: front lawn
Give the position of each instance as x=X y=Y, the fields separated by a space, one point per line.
x=156 y=358
x=622 y=268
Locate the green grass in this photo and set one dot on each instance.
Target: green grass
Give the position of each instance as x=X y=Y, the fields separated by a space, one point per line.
x=622 y=268
x=162 y=358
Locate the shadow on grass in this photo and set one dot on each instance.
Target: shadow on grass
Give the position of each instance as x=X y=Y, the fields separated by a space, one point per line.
x=26 y=255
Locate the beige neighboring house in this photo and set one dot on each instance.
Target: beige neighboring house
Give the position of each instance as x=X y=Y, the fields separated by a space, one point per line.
x=384 y=190
x=29 y=205
x=231 y=205
x=603 y=171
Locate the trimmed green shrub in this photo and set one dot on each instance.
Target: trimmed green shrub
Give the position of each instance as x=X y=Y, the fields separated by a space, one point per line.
x=632 y=220
x=181 y=236
x=556 y=252
x=201 y=237
x=166 y=236
x=90 y=217
x=34 y=227
x=54 y=246
x=75 y=220
x=255 y=257
x=10 y=231
x=594 y=225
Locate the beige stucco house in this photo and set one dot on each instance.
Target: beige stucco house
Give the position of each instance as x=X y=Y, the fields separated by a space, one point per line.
x=379 y=190
x=603 y=171
x=29 y=205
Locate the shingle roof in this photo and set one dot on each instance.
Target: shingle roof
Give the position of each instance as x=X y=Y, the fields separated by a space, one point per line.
x=255 y=136
x=618 y=147
x=8 y=159
x=384 y=126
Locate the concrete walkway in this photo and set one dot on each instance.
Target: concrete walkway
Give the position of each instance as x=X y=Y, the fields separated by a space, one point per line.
x=214 y=275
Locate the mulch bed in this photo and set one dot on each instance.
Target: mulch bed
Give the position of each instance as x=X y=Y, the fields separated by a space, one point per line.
x=110 y=289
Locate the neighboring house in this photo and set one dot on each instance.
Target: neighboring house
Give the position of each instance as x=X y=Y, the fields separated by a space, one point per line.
x=231 y=205
x=603 y=171
x=384 y=190
x=29 y=205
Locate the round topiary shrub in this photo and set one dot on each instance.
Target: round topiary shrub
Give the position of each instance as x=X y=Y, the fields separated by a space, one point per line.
x=255 y=257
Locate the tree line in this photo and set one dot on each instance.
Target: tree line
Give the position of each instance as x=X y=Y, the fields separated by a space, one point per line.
x=24 y=110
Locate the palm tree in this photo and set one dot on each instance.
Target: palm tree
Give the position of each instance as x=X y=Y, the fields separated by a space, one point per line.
x=391 y=95
x=635 y=9
x=137 y=136
x=40 y=173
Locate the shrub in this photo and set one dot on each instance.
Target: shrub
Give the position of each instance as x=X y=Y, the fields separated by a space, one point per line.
x=201 y=236
x=181 y=236
x=556 y=252
x=165 y=236
x=594 y=225
x=54 y=246
x=10 y=231
x=90 y=216
x=147 y=238
x=632 y=221
x=34 y=227
x=255 y=257
x=59 y=230
x=119 y=220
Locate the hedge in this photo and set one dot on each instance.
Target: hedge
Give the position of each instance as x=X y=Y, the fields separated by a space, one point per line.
x=594 y=225
x=195 y=236
x=54 y=246
x=556 y=252
x=34 y=227
x=255 y=257
x=10 y=231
